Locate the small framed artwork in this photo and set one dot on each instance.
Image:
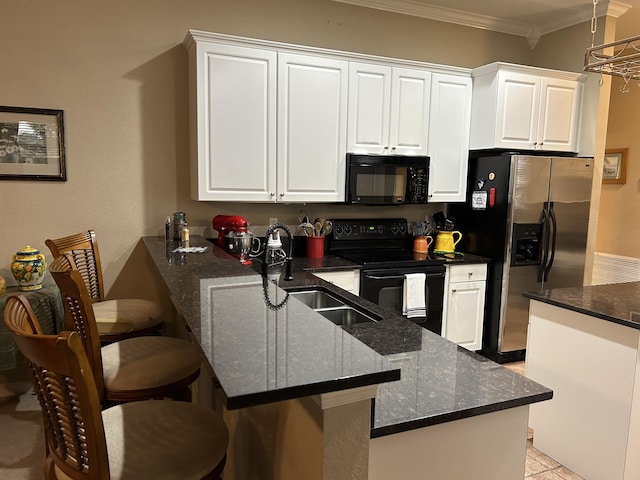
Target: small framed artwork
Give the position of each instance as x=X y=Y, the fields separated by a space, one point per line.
x=31 y=144
x=615 y=166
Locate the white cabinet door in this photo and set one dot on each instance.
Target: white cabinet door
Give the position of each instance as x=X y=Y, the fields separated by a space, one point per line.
x=464 y=306
x=558 y=122
x=234 y=113
x=525 y=108
x=348 y=280
x=312 y=116
x=388 y=109
x=369 y=108
x=517 y=110
x=449 y=125
x=409 y=124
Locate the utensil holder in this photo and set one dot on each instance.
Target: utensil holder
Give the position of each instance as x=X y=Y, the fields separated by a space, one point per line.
x=315 y=247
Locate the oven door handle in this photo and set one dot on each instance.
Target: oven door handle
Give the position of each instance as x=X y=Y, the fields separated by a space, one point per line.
x=387 y=277
x=399 y=277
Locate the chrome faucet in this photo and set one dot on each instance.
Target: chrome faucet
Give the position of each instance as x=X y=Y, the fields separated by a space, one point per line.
x=287 y=276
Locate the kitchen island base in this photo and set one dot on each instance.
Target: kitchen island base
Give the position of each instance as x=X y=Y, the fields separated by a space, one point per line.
x=592 y=425
x=322 y=437
x=485 y=447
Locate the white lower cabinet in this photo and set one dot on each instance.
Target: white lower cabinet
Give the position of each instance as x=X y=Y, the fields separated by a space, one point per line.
x=463 y=313
x=348 y=280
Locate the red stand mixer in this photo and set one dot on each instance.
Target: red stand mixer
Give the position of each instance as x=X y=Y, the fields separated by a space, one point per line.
x=233 y=236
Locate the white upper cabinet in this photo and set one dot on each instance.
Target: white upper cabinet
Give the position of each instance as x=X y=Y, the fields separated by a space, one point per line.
x=273 y=122
x=525 y=108
x=388 y=109
x=312 y=125
x=233 y=122
x=450 y=119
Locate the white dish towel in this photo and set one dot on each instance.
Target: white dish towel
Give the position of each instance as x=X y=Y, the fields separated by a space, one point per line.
x=413 y=298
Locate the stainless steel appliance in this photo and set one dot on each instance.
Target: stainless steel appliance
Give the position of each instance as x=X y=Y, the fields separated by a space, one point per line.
x=383 y=247
x=234 y=237
x=530 y=216
x=386 y=179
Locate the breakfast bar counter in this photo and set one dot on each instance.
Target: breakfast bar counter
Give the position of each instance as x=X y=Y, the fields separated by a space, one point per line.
x=265 y=346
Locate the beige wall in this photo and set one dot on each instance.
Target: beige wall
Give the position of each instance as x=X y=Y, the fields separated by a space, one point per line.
x=619 y=220
x=119 y=72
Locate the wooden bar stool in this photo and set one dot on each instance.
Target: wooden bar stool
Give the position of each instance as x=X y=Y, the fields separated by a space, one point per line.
x=119 y=318
x=156 y=439
x=131 y=369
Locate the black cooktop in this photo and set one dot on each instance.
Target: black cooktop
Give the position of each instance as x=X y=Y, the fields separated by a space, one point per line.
x=379 y=243
x=390 y=258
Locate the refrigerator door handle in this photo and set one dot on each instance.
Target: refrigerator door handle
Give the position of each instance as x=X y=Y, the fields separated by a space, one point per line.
x=554 y=230
x=544 y=220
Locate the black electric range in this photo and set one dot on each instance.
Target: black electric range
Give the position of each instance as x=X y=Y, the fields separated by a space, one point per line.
x=383 y=248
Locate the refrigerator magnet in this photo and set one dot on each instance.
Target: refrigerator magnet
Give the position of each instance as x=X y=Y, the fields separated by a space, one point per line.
x=479 y=200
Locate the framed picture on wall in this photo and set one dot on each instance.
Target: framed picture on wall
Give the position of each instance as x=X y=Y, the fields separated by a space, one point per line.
x=31 y=144
x=615 y=166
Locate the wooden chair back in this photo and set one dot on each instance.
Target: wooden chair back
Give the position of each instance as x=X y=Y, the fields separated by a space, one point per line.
x=83 y=247
x=67 y=393
x=78 y=312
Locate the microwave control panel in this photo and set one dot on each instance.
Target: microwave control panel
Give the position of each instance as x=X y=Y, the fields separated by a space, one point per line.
x=417 y=185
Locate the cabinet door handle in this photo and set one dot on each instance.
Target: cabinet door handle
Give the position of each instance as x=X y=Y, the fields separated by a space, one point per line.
x=281 y=195
x=272 y=194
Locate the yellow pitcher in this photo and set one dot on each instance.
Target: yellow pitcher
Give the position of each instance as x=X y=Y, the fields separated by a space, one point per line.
x=445 y=241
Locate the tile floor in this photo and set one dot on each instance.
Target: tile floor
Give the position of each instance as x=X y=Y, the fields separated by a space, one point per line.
x=539 y=466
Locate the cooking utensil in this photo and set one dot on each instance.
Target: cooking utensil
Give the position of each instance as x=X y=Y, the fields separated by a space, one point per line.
x=318 y=229
x=328 y=227
x=307 y=228
x=439 y=220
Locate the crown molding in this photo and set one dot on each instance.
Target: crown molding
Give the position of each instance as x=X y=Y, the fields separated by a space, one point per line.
x=531 y=31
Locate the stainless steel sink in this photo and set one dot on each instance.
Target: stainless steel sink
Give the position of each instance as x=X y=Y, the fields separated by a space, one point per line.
x=317 y=299
x=345 y=316
x=332 y=307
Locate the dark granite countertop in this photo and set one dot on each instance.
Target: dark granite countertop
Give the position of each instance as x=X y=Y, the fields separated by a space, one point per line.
x=223 y=303
x=617 y=303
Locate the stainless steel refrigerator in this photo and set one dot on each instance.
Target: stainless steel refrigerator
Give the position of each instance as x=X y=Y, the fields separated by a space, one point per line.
x=530 y=216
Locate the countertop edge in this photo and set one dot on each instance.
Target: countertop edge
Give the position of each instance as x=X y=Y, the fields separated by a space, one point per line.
x=592 y=313
x=459 y=415
x=255 y=399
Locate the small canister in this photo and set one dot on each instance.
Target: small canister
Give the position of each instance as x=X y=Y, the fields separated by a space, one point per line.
x=179 y=222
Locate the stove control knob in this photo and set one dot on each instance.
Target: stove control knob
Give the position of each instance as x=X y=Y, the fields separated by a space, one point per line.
x=338 y=229
x=403 y=228
x=347 y=230
x=394 y=228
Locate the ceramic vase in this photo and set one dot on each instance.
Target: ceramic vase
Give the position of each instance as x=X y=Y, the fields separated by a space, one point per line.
x=28 y=268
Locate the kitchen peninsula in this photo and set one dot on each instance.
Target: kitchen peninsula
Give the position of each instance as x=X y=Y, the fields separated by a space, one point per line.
x=283 y=368
x=584 y=343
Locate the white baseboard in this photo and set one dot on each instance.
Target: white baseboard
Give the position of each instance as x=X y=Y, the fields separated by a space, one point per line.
x=608 y=268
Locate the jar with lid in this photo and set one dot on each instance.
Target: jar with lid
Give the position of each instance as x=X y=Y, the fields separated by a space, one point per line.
x=179 y=222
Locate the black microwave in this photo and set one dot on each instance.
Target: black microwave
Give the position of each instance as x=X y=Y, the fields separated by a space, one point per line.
x=386 y=179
